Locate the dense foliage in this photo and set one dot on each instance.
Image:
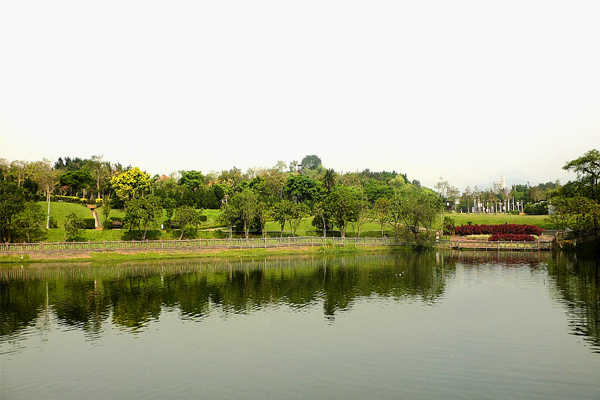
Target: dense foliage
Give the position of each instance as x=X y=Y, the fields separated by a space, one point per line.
x=502 y=229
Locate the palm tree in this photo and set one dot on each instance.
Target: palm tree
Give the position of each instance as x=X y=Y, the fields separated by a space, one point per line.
x=329 y=178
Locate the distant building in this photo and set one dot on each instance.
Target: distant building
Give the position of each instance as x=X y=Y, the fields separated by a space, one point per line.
x=498 y=186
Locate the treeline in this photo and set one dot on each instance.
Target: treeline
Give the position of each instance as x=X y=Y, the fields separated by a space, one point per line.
x=248 y=200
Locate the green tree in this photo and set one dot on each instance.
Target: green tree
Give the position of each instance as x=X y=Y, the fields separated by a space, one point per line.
x=301 y=188
x=73 y=226
x=77 y=180
x=297 y=211
x=143 y=212
x=131 y=184
x=263 y=215
x=29 y=222
x=46 y=178
x=329 y=179
x=579 y=214
x=417 y=208
x=343 y=205
x=320 y=217
x=187 y=218
x=587 y=168
x=381 y=212
x=12 y=202
x=245 y=205
x=193 y=180
x=310 y=162
x=281 y=212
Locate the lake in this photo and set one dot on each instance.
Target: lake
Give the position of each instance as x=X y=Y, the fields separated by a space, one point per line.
x=378 y=326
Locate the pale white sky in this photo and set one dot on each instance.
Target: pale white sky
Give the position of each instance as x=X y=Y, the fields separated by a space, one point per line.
x=464 y=90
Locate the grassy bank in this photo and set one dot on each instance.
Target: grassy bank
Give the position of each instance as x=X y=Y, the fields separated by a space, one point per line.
x=17 y=261
x=494 y=219
x=210 y=229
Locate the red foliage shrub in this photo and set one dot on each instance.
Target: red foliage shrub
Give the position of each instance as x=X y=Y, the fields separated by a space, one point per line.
x=511 y=237
x=504 y=229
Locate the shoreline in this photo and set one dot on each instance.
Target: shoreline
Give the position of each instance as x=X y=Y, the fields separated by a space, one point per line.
x=8 y=260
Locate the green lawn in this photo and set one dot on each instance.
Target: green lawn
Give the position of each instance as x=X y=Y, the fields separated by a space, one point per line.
x=59 y=211
x=480 y=219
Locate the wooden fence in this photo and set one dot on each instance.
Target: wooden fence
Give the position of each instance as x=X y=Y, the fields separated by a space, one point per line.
x=195 y=244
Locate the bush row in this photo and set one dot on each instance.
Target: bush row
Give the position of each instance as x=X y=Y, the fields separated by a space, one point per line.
x=508 y=237
x=504 y=229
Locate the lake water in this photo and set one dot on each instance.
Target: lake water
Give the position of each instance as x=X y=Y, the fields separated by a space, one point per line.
x=376 y=326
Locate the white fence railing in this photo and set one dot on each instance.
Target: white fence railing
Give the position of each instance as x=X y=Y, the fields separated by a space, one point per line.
x=193 y=244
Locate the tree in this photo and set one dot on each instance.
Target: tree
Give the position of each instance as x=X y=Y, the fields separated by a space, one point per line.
x=143 y=212
x=187 y=218
x=46 y=178
x=329 y=179
x=580 y=214
x=320 y=217
x=77 y=180
x=380 y=211
x=19 y=170
x=263 y=214
x=361 y=216
x=301 y=188
x=417 y=208
x=131 y=184
x=193 y=180
x=245 y=205
x=281 y=212
x=73 y=226
x=100 y=170
x=343 y=205
x=297 y=211
x=29 y=222
x=311 y=162
x=587 y=168
x=275 y=180
x=12 y=202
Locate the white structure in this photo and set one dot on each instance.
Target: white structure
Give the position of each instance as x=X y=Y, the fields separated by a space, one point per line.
x=498 y=186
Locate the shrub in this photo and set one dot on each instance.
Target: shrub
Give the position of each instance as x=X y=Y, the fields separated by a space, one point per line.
x=521 y=229
x=73 y=225
x=449 y=226
x=537 y=209
x=90 y=223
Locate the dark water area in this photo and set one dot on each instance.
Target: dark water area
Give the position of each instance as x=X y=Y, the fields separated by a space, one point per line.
x=399 y=325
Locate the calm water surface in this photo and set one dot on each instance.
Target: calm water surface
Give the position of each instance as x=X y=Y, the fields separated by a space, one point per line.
x=387 y=326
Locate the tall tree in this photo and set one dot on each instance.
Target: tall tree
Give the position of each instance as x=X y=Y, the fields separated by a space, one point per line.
x=143 y=213
x=245 y=203
x=343 y=205
x=12 y=202
x=281 y=212
x=131 y=184
x=310 y=162
x=380 y=211
x=187 y=218
x=47 y=178
x=587 y=168
x=329 y=179
x=417 y=208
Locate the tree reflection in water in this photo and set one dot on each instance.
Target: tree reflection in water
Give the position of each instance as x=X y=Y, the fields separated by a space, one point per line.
x=130 y=295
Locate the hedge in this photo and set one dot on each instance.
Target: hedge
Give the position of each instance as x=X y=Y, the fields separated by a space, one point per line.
x=504 y=229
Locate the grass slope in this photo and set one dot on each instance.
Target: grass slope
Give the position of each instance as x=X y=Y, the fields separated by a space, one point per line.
x=59 y=211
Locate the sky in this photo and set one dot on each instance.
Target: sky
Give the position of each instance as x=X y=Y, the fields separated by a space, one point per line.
x=463 y=90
